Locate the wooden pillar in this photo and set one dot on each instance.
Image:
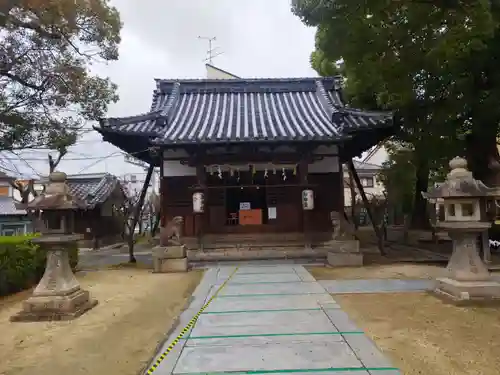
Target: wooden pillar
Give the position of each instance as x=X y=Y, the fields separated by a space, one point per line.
x=341 y=184
x=163 y=197
x=303 y=180
x=367 y=205
x=163 y=201
x=202 y=218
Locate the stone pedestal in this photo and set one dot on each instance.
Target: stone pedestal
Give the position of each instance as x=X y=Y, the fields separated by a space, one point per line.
x=168 y=259
x=467 y=278
x=344 y=253
x=58 y=295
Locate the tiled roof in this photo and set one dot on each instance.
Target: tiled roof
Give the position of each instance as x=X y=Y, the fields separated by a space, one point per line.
x=5 y=177
x=366 y=166
x=93 y=189
x=193 y=111
x=8 y=207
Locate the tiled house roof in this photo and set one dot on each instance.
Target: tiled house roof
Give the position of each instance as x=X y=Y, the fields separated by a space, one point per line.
x=247 y=110
x=93 y=189
x=359 y=165
x=8 y=207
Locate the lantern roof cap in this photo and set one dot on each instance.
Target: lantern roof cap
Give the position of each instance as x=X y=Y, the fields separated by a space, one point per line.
x=459 y=183
x=56 y=196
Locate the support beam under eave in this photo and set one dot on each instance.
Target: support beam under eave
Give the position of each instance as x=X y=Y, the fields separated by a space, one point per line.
x=137 y=212
x=368 y=207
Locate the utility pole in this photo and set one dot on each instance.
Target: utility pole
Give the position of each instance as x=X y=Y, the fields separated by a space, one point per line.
x=212 y=52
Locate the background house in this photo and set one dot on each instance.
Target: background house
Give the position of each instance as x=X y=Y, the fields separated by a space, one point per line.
x=216 y=73
x=104 y=195
x=12 y=220
x=368 y=176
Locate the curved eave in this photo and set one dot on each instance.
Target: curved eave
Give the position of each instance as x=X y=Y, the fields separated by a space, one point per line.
x=133 y=143
x=113 y=130
x=388 y=122
x=364 y=139
x=237 y=141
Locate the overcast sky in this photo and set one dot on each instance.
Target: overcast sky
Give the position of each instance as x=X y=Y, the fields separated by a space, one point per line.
x=258 y=38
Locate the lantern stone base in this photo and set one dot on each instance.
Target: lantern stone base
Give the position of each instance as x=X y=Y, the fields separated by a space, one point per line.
x=467 y=291
x=55 y=307
x=169 y=259
x=344 y=253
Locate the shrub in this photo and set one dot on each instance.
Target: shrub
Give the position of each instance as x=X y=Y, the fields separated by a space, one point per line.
x=22 y=264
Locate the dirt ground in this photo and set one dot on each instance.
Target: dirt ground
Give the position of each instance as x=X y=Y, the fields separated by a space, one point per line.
x=423 y=335
x=118 y=337
x=389 y=271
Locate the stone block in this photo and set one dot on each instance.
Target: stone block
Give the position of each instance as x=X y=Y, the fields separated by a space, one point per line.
x=465 y=291
x=169 y=252
x=336 y=259
x=343 y=246
x=171 y=265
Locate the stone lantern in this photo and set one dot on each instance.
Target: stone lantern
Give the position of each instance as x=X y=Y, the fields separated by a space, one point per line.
x=58 y=295
x=464 y=200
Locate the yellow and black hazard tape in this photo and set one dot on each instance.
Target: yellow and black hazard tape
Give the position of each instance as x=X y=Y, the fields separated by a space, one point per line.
x=188 y=326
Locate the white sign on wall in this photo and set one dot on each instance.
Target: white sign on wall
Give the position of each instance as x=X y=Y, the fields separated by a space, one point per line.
x=271 y=212
x=173 y=168
x=245 y=206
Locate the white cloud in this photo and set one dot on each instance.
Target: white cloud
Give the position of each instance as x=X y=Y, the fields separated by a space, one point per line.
x=259 y=38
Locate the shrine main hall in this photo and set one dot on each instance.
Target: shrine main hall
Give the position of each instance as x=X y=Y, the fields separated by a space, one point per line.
x=248 y=156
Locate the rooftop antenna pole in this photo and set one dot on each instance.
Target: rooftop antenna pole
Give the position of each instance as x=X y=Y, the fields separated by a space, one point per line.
x=211 y=50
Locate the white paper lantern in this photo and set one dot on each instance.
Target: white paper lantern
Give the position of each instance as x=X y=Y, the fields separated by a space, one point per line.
x=198 y=202
x=307 y=199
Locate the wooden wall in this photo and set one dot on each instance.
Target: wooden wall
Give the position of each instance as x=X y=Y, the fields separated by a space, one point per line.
x=107 y=228
x=176 y=200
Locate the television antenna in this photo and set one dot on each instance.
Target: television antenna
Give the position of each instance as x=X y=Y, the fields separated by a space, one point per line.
x=212 y=52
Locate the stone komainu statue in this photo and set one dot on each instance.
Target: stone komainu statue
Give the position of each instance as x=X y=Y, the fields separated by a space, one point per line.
x=342 y=229
x=171 y=233
x=335 y=220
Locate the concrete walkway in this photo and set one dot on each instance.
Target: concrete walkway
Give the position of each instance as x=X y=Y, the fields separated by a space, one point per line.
x=268 y=319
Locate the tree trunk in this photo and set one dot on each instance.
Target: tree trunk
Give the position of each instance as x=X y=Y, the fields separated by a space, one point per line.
x=482 y=153
x=141 y=224
x=353 y=201
x=156 y=224
x=420 y=218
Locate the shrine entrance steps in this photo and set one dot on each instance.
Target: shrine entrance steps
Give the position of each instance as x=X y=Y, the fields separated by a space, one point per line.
x=257 y=246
